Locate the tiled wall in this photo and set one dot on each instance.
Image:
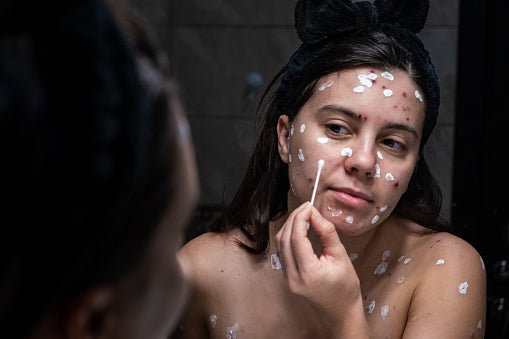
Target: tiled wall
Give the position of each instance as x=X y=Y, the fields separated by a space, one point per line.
x=215 y=44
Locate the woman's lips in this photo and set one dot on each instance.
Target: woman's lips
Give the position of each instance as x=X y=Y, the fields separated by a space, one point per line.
x=351 y=197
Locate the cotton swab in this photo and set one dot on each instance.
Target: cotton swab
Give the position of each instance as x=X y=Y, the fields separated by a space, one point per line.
x=320 y=166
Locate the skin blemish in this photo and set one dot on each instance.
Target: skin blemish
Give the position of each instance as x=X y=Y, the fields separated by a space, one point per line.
x=388 y=92
x=389 y=177
x=418 y=95
x=302 y=128
x=440 y=262
x=212 y=320
x=323 y=140
x=231 y=332
x=349 y=219
x=379 y=155
x=377 y=171
x=404 y=94
x=371 y=307
x=353 y=256
x=359 y=89
x=347 y=152
x=301 y=155
x=396 y=184
x=384 y=311
x=407 y=119
x=274 y=262
x=401 y=279
x=375 y=219
x=387 y=76
x=462 y=288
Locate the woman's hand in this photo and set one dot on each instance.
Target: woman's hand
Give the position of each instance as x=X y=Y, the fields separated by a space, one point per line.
x=329 y=282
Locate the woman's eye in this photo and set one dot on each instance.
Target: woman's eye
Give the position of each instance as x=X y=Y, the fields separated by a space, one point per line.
x=393 y=144
x=337 y=129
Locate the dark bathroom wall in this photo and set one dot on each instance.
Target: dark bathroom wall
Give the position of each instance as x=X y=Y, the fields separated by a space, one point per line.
x=215 y=44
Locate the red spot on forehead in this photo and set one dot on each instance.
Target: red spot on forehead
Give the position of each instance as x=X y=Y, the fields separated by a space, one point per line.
x=403 y=94
x=395 y=106
x=407 y=119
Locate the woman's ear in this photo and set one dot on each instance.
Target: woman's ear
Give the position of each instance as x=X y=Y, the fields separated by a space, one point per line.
x=283 y=136
x=87 y=316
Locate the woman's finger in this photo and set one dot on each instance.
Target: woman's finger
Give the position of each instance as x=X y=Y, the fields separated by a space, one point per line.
x=326 y=232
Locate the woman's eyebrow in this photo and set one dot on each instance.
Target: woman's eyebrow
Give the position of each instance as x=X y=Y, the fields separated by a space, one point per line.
x=339 y=110
x=403 y=127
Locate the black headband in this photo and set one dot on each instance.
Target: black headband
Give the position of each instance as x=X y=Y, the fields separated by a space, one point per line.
x=323 y=24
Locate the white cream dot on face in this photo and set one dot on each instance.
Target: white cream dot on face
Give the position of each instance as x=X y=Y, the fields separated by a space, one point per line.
x=400 y=259
x=353 y=256
x=401 y=279
x=323 y=140
x=365 y=80
x=301 y=155
x=384 y=311
x=359 y=89
x=292 y=130
x=383 y=209
x=212 y=320
x=326 y=85
x=381 y=268
x=231 y=332
x=482 y=263
x=462 y=288
x=479 y=324
x=377 y=171
x=293 y=189
x=375 y=219
x=418 y=95
x=349 y=219
x=274 y=262
x=379 y=155
x=407 y=261
x=389 y=177
x=388 y=92
x=347 y=152
x=302 y=128
x=388 y=76
x=337 y=213
x=371 y=307
x=440 y=262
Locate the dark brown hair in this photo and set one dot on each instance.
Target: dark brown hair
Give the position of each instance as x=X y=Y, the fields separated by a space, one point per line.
x=262 y=194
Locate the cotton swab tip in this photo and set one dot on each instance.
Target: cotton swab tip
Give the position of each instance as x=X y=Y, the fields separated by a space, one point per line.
x=320 y=164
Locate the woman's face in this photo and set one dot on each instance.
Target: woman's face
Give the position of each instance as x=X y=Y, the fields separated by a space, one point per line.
x=366 y=124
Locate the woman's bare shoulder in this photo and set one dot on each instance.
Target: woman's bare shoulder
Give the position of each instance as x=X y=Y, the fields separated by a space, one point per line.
x=451 y=291
x=211 y=252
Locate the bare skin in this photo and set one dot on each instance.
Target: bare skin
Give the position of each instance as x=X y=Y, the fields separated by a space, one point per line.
x=399 y=281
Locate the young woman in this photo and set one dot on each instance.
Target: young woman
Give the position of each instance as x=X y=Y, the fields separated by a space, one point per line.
x=359 y=97
x=99 y=175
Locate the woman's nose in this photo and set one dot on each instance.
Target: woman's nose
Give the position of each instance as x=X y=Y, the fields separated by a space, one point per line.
x=361 y=160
